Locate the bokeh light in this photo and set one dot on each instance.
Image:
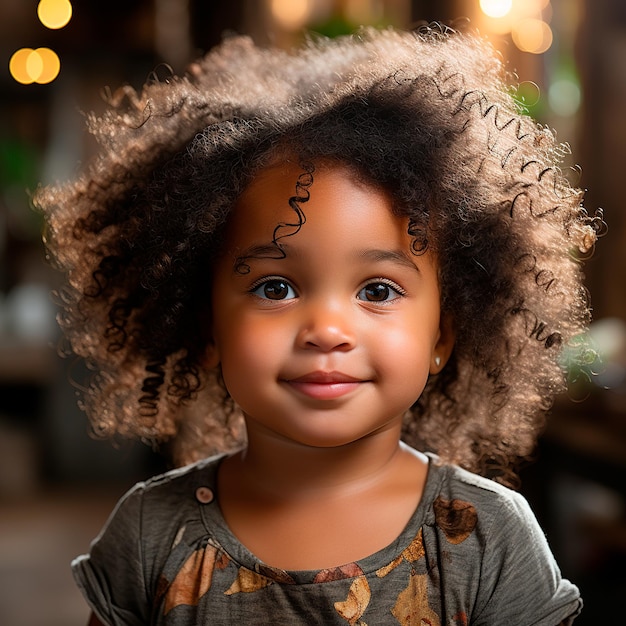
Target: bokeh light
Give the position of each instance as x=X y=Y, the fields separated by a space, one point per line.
x=51 y=66
x=17 y=66
x=54 y=14
x=528 y=95
x=527 y=21
x=40 y=66
x=532 y=35
x=564 y=97
x=34 y=65
x=496 y=8
x=291 y=14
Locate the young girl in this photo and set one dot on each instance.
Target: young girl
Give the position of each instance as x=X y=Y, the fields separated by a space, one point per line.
x=290 y=261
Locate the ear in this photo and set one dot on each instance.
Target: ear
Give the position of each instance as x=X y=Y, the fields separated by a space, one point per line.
x=445 y=343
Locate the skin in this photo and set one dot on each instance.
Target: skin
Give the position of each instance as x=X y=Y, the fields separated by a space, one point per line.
x=324 y=350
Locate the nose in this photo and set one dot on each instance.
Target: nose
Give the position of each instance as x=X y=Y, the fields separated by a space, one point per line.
x=327 y=325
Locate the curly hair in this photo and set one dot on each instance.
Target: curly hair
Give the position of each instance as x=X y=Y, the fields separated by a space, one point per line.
x=427 y=115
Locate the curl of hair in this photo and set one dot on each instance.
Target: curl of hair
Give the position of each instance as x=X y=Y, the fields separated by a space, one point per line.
x=426 y=115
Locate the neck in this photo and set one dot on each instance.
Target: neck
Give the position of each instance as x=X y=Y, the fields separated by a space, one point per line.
x=279 y=469
x=304 y=507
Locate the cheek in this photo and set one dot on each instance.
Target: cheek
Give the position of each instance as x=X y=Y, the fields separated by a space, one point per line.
x=247 y=344
x=252 y=356
x=407 y=348
x=415 y=333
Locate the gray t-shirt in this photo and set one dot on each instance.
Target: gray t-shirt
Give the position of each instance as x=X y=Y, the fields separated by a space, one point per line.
x=472 y=553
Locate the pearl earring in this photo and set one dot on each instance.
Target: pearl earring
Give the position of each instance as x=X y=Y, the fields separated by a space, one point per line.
x=437 y=361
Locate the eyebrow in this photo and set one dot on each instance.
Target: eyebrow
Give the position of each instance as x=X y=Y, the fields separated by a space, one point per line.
x=259 y=251
x=272 y=251
x=393 y=256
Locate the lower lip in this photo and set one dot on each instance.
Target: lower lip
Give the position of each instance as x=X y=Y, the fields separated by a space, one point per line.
x=324 y=391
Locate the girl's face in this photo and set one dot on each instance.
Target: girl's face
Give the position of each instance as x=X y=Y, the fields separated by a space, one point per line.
x=335 y=341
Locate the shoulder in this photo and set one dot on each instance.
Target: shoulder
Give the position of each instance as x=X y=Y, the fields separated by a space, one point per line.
x=494 y=547
x=456 y=483
x=147 y=523
x=179 y=481
x=155 y=508
x=461 y=497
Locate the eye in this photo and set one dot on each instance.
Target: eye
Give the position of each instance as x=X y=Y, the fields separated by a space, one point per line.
x=273 y=289
x=380 y=291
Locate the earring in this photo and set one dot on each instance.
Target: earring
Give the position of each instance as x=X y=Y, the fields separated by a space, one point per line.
x=437 y=361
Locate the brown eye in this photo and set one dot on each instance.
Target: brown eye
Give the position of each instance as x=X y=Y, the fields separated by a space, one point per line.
x=379 y=292
x=274 y=289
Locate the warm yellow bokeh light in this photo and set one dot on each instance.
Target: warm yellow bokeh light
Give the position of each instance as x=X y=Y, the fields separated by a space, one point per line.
x=501 y=17
x=54 y=13
x=51 y=65
x=291 y=14
x=496 y=8
x=34 y=66
x=17 y=66
x=532 y=35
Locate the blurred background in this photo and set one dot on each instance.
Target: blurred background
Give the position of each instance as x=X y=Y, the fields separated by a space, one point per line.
x=57 y=484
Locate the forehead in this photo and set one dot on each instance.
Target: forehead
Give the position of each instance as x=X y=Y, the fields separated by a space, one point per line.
x=329 y=201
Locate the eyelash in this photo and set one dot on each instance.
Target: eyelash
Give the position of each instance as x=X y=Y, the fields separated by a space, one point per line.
x=386 y=281
x=268 y=279
x=373 y=281
x=383 y=281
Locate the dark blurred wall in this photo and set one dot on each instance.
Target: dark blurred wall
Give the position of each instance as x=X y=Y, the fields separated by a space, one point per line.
x=602 y=58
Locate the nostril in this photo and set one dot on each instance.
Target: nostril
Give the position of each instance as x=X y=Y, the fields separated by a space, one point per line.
x=327 y=338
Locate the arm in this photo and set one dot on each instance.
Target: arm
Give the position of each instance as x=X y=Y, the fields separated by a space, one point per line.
x=519 y=576
x=110 y=576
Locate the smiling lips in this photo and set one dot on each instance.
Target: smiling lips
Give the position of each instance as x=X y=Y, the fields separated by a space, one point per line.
x=324 y=385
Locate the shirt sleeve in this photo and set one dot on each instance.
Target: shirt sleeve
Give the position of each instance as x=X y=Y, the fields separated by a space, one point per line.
x=111 y=575
x=520 y=581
